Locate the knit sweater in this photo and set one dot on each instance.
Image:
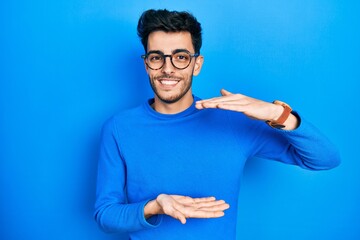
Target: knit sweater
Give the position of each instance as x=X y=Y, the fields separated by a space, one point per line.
x=195 y=153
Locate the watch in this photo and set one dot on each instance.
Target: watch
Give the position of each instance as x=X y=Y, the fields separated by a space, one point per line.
x=279 y=123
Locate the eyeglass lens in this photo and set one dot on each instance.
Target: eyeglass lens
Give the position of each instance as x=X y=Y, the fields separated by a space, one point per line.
x=179 y=60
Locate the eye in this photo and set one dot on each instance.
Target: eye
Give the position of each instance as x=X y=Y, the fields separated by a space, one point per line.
x=182 y=57
x=155 y=57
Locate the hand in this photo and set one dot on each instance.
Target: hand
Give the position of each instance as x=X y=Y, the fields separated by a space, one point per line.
x=251 y=107
x=182 y=207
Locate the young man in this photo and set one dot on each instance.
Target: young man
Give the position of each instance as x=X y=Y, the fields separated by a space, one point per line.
x=178 y=158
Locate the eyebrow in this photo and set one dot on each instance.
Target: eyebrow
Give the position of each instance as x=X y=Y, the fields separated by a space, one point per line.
x=174 y=51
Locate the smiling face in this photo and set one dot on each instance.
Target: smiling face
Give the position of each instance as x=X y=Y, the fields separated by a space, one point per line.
x=172 y=86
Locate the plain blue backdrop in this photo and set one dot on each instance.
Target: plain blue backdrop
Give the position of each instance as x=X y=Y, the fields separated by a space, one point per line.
x=68 y=65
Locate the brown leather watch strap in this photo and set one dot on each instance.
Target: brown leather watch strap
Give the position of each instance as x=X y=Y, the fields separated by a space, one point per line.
x=279 y=123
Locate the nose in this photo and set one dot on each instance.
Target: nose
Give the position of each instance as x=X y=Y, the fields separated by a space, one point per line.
x=167 y=67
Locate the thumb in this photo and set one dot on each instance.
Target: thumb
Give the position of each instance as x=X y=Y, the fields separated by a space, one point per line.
x=225 y=92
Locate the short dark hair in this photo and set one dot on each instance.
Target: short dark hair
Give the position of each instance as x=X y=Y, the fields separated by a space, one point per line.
x=169 y=21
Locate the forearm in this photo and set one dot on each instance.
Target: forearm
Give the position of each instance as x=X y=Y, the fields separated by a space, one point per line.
x=122 y=217
x=152 y=208
x=311 y=147
x=113 y=212
x=291 y=123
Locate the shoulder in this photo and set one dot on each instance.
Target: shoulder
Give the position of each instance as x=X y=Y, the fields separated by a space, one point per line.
x=124 y=117
x=128 y=114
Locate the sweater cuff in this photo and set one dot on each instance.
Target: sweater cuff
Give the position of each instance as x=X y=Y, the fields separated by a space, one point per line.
x=299 y=127
x=151 y=222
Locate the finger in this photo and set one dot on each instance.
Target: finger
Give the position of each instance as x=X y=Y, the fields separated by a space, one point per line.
x=226 y=95
x=207 y=214
x=200 y=102
x=233 y=107
x=204 y=199
x=208 y=104
x=234 y=98
x=204 y=214
x=173 y=211
x=212 y=212
x=225 y=92
x=208 y=204
x=211 y=103
x=199 y=106
x=190 y=200
x=183 y=199
x=178 y=215
x=230 y=105
x=203 y=204
x=215 y=208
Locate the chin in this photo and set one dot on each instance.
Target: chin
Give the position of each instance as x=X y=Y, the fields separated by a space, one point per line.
x=170 y=100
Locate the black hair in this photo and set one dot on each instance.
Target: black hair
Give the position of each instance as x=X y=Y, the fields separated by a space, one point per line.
x=169 y=21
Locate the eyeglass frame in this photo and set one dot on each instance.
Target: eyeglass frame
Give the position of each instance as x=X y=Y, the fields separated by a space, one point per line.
x=164 y=56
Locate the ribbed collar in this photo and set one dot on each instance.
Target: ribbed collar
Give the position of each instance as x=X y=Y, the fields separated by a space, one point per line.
x=189 y=111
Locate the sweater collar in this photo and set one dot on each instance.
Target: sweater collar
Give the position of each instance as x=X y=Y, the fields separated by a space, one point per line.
x=189 y=111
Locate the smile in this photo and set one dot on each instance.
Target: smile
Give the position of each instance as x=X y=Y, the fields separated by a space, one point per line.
x=169 y=82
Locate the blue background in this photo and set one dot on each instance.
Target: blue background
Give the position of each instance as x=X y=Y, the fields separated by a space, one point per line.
x=68 y=65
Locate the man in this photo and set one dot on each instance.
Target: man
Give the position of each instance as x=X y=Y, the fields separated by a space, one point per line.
x=178 y=158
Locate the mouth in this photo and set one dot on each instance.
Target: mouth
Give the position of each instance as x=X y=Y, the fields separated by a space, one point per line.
x=168 y=82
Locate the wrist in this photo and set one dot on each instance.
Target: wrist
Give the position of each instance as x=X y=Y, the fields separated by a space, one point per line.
x=277 y=112
x=281 y=115
x=151 y=208
x=291 y=123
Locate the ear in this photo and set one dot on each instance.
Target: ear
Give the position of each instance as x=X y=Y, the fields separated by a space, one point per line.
x=198 y=65
x=146 y=67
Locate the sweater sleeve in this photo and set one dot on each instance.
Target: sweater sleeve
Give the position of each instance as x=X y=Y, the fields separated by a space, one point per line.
x=305 y=146
x=112 y=211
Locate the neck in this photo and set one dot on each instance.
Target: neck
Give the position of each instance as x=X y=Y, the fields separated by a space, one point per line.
x=172 y=108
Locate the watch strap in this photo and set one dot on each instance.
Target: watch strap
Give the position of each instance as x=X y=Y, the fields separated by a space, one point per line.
x=279 y=123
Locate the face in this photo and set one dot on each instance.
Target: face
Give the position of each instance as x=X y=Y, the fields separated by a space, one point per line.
x=172 y=85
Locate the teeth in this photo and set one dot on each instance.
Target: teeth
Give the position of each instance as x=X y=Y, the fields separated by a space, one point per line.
x=168 y=82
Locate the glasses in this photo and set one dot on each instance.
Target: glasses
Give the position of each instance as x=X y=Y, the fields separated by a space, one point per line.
x=180 y=59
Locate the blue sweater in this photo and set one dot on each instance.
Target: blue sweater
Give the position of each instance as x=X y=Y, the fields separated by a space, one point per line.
x=195 y=153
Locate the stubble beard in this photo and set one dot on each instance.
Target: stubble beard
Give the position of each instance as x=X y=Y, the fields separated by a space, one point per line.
x=173 y=98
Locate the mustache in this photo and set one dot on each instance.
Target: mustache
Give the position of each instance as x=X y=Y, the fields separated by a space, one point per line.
x=166 y=76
